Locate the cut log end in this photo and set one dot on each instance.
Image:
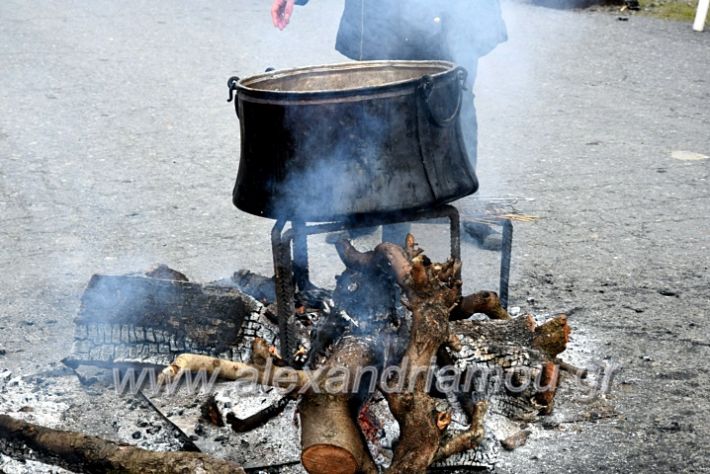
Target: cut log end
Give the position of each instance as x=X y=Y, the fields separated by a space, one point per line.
x=330 y=438
x=327 y=459
x=552 y=336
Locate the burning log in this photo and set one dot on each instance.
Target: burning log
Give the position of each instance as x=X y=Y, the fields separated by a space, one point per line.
x=81 y=453
x=259 y=287
x=259 y=418
x=339 y=445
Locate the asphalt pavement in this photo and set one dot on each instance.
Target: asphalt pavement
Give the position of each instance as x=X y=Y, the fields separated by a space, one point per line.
x=118 y=150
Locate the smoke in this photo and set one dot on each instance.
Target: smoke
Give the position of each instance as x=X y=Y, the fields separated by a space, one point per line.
x=335 y=163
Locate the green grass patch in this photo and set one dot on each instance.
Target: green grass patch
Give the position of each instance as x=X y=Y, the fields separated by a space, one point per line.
x=671 y=10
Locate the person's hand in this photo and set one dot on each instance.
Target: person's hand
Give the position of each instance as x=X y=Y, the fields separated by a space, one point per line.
x=281 y=12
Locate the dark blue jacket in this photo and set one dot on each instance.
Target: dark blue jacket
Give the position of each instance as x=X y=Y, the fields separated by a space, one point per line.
x=457 y=30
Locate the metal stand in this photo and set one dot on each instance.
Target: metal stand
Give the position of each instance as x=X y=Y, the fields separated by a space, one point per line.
x=290 y=251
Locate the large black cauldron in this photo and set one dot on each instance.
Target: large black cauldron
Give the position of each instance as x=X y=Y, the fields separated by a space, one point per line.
x=326 y=142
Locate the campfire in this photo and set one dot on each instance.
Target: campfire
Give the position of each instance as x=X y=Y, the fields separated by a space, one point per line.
x=392 y=370
x=437 y=375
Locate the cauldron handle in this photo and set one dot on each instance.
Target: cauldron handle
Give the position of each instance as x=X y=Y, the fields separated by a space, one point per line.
x=426 y=85
x=232 y=85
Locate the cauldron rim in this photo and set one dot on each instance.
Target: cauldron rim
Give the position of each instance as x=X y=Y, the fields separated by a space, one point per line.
x=245 y=87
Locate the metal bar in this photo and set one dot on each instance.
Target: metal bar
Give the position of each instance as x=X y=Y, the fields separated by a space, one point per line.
x=506 y=251
x=375 y=220
x=455 y=234
x=455 y=231
x=300 y=255
x=283 y=280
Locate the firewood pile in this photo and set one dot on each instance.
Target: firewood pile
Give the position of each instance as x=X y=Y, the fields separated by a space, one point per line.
x=394 y=371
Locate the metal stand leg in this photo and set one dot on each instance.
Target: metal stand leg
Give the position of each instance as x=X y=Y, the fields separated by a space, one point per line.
x=300 y=256
x=455 y=231
x=283 y=279
x=506 y=252
x=455 y=236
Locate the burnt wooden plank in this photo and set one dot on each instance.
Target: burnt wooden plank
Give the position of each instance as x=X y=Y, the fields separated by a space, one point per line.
x=136 y=318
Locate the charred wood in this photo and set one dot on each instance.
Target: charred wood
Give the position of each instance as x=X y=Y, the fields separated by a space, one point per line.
x=259 y=418
x=515 y=440
x=164 y=272
x=88 y=454
x=486 y=302
x=513 y=363
x=257 y=286
x=552 y=336
x=149 y=320
x=209 y=412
